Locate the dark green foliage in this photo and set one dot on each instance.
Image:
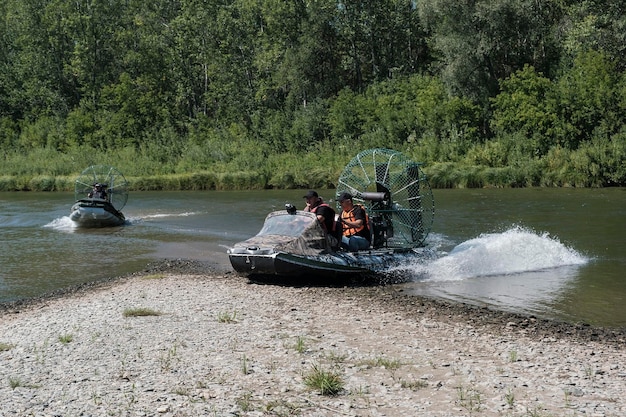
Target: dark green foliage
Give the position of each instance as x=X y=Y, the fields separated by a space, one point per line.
x=226 y=94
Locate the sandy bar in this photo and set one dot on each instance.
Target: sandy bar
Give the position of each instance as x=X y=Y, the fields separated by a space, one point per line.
x=225 y=346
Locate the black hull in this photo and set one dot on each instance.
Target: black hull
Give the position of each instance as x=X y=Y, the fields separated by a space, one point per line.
x=335 y=264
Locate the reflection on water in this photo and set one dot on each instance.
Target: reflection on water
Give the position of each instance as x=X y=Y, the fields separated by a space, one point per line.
x=537 y=251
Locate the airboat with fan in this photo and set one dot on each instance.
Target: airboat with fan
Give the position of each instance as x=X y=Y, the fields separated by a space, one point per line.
x=100 y=192
x=398 y=200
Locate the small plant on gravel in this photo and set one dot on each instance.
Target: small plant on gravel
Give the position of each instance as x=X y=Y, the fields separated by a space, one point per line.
x=96 y=398
x=168 y=359
x=130 y=397
x=182 y=391
x=510 y=398
x=5 y=347
x=40 y=352
x=140 y=312
x=281 y=408
x=153 y=276
x=568 y=400
x=469 y=398
x=300 y=345
x=360 y=391
x=414 y=385
x=244 y=365
x=244 y=402
x=227 y=317
x=328 y=382
x=15 y=383
x=391 y=364
x=513 y=356
x=66 y=338
x=536 y=412
x=335 y=357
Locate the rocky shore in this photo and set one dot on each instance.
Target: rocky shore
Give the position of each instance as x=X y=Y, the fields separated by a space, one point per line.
x=184 y=340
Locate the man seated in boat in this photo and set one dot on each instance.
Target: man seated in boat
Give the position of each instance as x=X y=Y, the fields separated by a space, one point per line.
x=326 y=216
x=99 y=191
x=356 y=234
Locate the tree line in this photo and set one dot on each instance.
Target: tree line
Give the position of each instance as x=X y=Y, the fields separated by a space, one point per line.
x=283 y=93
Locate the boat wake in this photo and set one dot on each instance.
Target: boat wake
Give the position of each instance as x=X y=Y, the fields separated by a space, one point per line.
x=62 y=223
x=148 y=217
x=161 y=215
x=517 y=250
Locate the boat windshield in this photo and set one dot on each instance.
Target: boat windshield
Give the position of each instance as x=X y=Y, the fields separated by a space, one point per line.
x=285 y=224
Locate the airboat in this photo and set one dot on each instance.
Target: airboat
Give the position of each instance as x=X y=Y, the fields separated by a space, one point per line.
x=400 y=205
x=100 y=209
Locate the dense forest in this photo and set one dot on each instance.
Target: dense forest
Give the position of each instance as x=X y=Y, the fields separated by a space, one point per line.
x=224 y=94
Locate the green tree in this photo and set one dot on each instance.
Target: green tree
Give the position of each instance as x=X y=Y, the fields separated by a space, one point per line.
x=596 y=25
x=378 y=38
x=33 y=51
x=523 y=109
x=586 y=100
x=96 y=58
x=310 y=67
x=484 y=41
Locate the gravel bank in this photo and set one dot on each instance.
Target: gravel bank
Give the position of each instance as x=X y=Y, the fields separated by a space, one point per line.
x=224 y=346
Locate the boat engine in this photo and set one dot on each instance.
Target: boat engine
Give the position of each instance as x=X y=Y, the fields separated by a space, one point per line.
x=381 y=226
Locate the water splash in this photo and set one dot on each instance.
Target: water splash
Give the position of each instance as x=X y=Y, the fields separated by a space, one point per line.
x=514 y=251
x=62 y=223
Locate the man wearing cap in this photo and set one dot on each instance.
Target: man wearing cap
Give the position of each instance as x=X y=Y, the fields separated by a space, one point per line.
x=356 y=234
x=98 y=192
x=325 y=214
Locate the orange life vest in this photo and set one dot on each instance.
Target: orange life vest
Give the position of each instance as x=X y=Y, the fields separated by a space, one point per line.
x=349 y=230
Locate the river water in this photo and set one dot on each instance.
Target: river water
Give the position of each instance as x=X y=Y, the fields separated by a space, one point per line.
x=554 y=253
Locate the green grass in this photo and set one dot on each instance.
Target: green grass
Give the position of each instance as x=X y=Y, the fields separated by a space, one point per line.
x=66 y=338
x=327 y=382
x=17 y=383
x=391 y=364
x=300 y=345
x=5 y=346
x=227 y=317
x=414 y=385
x=245 y=367
x=469 y=398
x=281 y=408
x=153 y=276
x=244 y=402
x=140 y=312
x=44 y=169
x=509 y=397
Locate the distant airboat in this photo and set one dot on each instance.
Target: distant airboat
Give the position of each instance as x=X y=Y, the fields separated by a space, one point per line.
x=100 y=191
